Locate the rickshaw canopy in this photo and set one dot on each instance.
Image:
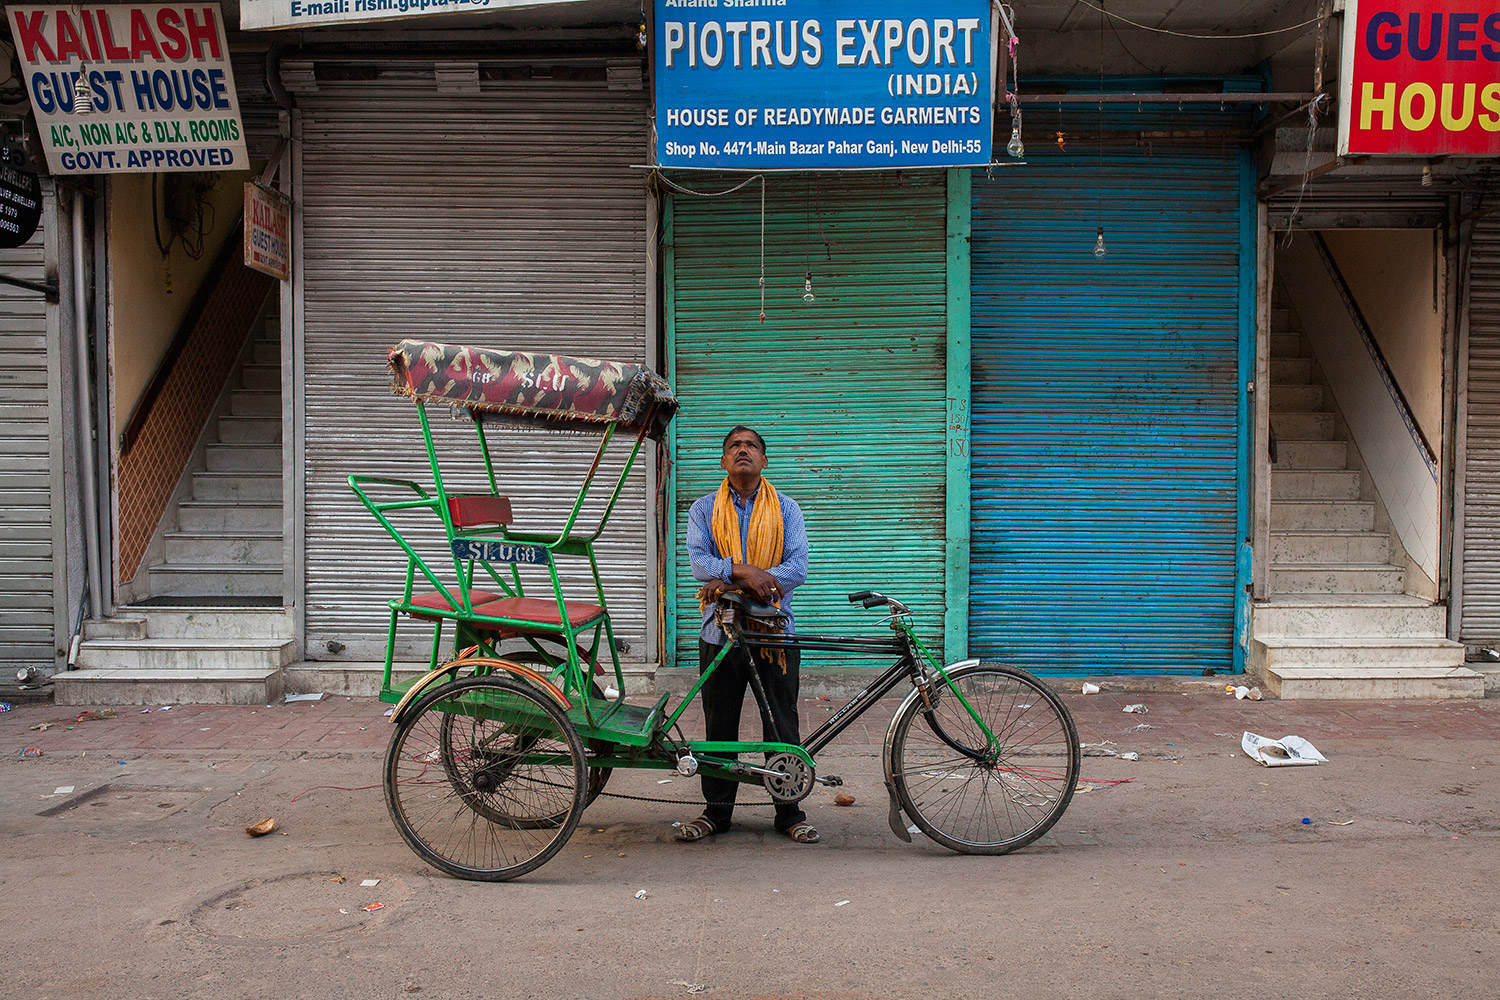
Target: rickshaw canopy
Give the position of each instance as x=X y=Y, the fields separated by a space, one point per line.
x=530 y=388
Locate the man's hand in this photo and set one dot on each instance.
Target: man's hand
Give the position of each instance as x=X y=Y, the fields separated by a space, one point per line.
x=757 y=581
x=709 y=592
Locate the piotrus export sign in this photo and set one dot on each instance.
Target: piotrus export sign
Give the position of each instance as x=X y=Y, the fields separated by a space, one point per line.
x=1420 y=78
x=853 y=84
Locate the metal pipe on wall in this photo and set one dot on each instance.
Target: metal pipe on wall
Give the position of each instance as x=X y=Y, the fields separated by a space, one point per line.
x=84 y=406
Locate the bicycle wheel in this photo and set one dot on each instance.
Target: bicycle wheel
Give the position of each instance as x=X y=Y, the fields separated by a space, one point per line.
x=974 y=796
x=485 y=778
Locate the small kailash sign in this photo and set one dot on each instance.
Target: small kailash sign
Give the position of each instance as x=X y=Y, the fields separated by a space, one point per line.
x=268 y=231
x=1420 y=78
x=130 y=87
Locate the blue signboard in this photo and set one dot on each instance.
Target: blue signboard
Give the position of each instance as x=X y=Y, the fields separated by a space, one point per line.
x=796 y=84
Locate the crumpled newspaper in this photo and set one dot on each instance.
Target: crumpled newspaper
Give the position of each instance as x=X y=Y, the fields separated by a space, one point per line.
x=1289 y=750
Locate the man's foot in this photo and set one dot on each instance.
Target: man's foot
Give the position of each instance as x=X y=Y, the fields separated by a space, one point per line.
x=696 y=830
x=803 y=833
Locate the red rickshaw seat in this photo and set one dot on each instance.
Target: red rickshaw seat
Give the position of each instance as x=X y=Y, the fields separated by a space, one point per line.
x=435 y=600
x=537 y=611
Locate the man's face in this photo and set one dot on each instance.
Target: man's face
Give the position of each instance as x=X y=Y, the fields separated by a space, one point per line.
x=743 y=455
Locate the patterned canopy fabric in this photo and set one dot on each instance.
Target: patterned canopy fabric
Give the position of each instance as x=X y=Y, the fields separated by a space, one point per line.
x=520 y=386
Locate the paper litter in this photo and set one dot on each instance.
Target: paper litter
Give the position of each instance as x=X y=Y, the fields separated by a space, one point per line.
x=1289 y=750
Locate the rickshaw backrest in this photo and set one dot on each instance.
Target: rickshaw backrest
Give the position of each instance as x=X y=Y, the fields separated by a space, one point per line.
x=479 y=510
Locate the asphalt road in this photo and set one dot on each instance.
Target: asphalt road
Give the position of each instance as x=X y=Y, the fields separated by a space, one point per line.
x=1195 y=878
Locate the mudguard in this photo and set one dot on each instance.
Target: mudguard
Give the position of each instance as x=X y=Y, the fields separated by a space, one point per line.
x=472 y=664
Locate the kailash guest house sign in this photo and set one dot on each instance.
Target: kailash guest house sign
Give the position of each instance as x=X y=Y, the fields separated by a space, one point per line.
x=854 y=84
x=155 y=82
x=1420 y=78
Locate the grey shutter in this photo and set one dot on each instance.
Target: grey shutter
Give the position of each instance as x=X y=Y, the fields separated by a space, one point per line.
x=508 y=218
x=1481 y=532
x=26 y=558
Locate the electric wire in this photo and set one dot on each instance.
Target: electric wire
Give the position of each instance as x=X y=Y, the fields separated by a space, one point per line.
x=1211 y=38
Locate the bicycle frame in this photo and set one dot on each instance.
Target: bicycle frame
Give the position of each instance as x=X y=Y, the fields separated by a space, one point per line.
x=904 y=644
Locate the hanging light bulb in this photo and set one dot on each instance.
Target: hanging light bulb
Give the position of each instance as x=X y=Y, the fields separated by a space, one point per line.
x=83 y=97
x=1099 y=249
x=807 y=291
x=1014 y=147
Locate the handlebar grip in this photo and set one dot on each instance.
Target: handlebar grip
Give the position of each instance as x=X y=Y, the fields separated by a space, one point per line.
x=875 y=600
x=859 y=595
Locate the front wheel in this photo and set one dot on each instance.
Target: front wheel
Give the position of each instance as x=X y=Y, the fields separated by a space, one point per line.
x=977 y=795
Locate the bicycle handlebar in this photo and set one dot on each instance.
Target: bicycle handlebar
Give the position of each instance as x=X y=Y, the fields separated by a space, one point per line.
x=872 y=599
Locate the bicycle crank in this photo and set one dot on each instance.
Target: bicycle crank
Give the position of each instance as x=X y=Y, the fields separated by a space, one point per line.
x=790 y=779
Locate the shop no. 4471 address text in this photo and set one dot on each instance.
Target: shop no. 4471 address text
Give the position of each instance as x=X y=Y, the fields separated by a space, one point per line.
x=832 y=147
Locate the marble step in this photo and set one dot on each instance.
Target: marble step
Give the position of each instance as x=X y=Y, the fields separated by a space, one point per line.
x=1336 y=578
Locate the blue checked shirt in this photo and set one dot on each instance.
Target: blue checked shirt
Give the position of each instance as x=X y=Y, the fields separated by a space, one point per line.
x=708 y=564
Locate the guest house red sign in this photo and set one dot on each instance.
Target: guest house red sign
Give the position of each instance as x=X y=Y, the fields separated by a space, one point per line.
x=1420 y=78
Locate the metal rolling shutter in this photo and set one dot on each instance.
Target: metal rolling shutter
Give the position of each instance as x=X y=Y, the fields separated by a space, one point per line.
x=848 y=390
x=511 y=219
x=1481 y=540
x=1105 y=408
x=26 y=576
x=1337 y=201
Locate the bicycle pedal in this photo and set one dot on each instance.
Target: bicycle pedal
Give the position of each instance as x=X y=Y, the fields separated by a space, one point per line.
x=831 y=780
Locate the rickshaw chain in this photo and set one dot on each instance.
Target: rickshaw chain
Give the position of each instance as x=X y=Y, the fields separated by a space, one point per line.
x=685 y=802
x=652 y=798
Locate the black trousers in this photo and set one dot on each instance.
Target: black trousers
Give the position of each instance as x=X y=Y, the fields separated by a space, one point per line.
x=723 y=696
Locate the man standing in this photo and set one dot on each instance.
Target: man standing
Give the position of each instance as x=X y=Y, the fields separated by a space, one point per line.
x=747 y=537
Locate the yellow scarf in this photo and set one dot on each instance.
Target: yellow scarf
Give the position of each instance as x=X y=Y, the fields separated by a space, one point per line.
x=767 y=532
x=767 y=535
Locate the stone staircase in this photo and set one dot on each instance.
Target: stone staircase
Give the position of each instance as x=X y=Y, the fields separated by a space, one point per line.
x=1339 y=623
x=181 y=655
x=213 y=630
x=228 y=538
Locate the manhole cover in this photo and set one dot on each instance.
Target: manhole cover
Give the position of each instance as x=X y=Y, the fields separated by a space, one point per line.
x=285 y=907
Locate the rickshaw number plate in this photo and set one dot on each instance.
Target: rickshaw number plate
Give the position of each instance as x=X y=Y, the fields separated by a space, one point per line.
x=499 y=552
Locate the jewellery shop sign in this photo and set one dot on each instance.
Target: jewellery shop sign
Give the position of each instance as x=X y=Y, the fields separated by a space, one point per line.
x=130 y=88
x=828 y=84
x=1420 y=78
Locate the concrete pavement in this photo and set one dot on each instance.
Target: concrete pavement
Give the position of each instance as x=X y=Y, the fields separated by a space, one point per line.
x=1195 y=877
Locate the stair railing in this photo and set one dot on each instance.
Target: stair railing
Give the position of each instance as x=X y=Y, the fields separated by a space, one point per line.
x=1381 y=365
x=142 y=409
x=159 y=440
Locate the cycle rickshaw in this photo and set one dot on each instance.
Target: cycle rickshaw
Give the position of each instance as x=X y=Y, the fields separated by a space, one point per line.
x=498 y=748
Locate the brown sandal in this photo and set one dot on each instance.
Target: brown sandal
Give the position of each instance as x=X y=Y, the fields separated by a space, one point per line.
x=696 y=830
x=803 y=833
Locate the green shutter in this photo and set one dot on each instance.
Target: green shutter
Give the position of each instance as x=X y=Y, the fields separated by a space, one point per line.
x=848 y=390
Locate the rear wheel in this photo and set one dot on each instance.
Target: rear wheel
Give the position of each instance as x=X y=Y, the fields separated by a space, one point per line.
x=485 y=778
x=973 y=794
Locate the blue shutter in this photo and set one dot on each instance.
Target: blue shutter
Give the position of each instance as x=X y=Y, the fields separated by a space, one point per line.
x=1108 y=415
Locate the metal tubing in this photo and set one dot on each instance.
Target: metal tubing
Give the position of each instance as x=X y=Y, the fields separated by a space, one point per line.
x=1159 y=98
x=84 y=403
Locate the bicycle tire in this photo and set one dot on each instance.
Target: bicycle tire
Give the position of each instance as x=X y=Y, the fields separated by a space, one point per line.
x=934 y=757
x=514 y=759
